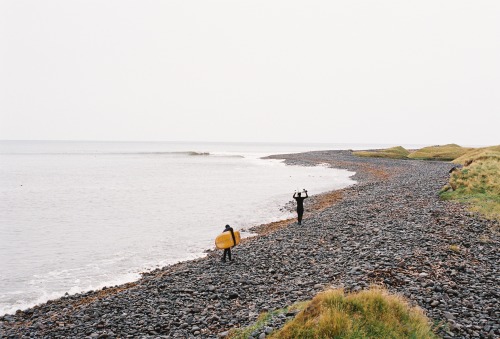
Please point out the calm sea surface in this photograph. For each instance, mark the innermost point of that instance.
(76, 216)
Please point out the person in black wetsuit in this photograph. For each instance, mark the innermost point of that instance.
(227, 251)
(300, 205)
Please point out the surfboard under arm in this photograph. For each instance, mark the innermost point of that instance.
(226, 240)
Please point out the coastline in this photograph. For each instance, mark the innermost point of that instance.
(390, 228)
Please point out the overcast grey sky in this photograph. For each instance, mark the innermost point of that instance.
(397, 72)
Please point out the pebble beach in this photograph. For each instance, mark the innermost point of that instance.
(390, 229)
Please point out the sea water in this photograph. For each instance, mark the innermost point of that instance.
(77, 216)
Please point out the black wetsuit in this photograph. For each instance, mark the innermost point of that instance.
(300, 207)
(227, 251)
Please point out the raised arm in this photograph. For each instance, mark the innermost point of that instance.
(306, 195)
(294, 195)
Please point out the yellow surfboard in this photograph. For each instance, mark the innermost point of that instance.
(225, 240)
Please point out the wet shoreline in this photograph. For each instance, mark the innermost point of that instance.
(389, 229)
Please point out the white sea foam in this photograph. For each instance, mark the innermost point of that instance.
(26, 301)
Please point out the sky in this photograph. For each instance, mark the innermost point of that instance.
(396, 72)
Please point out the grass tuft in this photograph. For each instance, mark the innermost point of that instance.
(397, 152)
(484, 239)
(371, 313)
(454, 248)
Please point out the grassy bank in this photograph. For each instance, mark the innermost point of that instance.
(393, 153)
(476, 183)
(444, 152)
(367, 314)
(441, 152)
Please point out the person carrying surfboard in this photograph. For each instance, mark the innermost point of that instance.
(227, 251)
(300, 204)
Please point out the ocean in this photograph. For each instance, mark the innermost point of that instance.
(78, 216)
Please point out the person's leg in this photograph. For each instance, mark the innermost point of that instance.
(300, 213)
(229, 254)
(225, 253)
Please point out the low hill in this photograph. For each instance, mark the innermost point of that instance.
(397, 152)
(441, 152)
(492, 152)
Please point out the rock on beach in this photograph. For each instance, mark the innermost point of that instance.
(389, 229)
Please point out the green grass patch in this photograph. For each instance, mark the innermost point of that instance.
(243, 333)
(397, 152)
(444, 152)
(262, 321)
(485, 204)
(371, 313)
(478, 182)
